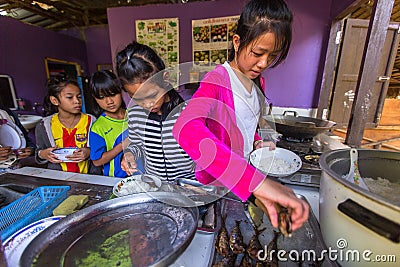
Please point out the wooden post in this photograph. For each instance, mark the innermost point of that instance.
(368, 74)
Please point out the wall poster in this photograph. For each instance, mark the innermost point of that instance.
(211, 39)
(162, 35)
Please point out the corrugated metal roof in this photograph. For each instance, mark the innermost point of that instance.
(64, 14)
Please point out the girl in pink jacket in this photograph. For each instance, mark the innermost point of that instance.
(218, 126)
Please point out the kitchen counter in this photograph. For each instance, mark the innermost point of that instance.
(201, 249)
(99, 188)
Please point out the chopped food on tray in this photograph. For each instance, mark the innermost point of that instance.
(114, 251)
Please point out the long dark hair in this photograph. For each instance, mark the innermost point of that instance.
(137, 63)
(263, 16)
(104, 83)
(54, 88)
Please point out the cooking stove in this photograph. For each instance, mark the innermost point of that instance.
(307, 150)
(306, 181)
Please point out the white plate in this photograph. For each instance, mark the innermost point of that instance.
(61, 153)
(137, 184)
(16, 244)
(11, 135)
(278, 163)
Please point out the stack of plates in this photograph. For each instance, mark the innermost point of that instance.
(11, 135)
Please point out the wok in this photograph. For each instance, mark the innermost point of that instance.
(298, 127)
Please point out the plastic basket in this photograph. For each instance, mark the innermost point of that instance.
(35, 205)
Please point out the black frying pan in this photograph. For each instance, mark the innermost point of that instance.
(298, 127)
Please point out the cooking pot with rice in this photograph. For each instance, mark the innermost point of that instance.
(363, 226)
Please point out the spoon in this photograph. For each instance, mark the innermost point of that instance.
(354, 175)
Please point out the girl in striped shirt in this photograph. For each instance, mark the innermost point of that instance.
(151, 119)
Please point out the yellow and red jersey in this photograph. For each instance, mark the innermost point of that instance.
(72, 137)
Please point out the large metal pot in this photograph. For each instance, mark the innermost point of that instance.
(298, 127)
(354, 221)
(146, 229)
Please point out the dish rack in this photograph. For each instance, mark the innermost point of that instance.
(35, 205)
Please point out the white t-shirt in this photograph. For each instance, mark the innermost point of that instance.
(247, 109)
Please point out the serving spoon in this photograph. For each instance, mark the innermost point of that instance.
(354, 175)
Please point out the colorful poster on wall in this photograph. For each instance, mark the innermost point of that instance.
(211, 39)
(162, 35)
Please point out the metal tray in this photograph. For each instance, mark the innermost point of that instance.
(193, 183)
(139, 228)
(206, 196)
(308, 238)
(217, 221)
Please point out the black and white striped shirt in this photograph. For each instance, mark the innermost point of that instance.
(151, 136)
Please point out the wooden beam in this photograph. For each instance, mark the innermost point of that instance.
(375, 40)
(329, 71)
(47, 14)
(353, 7)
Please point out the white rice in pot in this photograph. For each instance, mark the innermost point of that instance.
(384, 188)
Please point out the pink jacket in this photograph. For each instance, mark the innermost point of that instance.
(208, 132)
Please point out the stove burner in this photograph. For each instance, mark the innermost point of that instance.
(312, 159)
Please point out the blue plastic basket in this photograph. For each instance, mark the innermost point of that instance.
(35, 205)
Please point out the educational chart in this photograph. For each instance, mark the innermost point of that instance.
(211, 39)
(162, 35)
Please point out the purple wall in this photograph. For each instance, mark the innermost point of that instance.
(296, 83)
(23, 49)
(98, 47)
(97, 40)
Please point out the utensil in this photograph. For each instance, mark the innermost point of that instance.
(354, 175)
(62, 153)
(140, 183)
(298, 127)
(11, 135)
(15, 244)
(206, 193)
(279, 162)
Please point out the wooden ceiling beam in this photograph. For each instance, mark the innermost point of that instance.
(57, 25)
(44, 13)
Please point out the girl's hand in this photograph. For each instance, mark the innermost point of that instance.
(5, 152)
(24, 152)
(270, 192)
(48, 155)
(259, 144)
(79, 155)
(128, 164)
